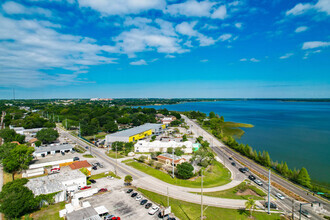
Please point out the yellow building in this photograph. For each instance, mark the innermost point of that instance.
(136, 133)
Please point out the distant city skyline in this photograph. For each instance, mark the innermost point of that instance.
(164, 49)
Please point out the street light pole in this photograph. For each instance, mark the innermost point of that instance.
(116, 160)
(202, 194)
(173, 163)
(269, 191)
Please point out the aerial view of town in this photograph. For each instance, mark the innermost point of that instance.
(164, 109)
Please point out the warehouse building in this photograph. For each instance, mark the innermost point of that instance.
(136, 133)
(145, 146)
(52, 149)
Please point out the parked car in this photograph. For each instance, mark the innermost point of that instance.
(76, 158)
(230, 158)
(171, 218)
(160, 215)
(108, 217)
(251, 177)
(62, 153)
(148, 205)
(55, 170)
(129, 191)
(92, 181)
(272, 205)
(103, 190)
(99, 165)
(134, 194)
(153, 210)
(85, 187)
(127, 184)
(233, 163)
(258, 182)
(280, 196)
(305, 213)
(144, 201)
(115, 218)
(138, 198)
(94, 167)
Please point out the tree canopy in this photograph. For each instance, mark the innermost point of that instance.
(303, 177)
(47, 135)
(10, 135)
(185, 170)
(128, 179)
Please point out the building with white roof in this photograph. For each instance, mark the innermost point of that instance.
(155, 146)
(52, 149)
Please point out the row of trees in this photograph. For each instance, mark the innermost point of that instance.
(9, 135)
(123, 147)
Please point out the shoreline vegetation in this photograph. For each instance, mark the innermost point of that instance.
(214, 125)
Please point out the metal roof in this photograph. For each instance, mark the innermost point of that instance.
(88, 213)
(136, 130)
(43, 149)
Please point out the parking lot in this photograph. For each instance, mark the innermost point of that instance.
(120, 203)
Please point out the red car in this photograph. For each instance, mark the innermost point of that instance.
(103, 190)
(85, 187)
(115, 218)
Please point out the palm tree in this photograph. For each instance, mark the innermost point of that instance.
(251, 205)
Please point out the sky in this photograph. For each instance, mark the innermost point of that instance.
(164, 49)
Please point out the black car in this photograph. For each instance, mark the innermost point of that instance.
(230, 158)
(94, 167)
(148, 205)
(160, 215)
(127, 184)
(251, 177)
(134, 194)
(92, 181)
(99, 165)
(244, 170)
(62, 153)
(129, 191)
(171, 219)
(76, 158)
(272, 205)
(233, 163)
(143, 202)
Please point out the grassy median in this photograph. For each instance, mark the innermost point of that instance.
(217, 175)
(191, 211)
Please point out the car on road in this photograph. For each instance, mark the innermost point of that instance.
(129, 191)
(144, 201)
(85, 187)
(233, 163)
(133, 195)
(103, 190)
(138, 198)
(280, 196)
(148, 205)
(153, 210)
(243, 169)
(305, 213)
(258, 182)
(272, 205)
(76, 159)
(251, 177)
(92, 180)
(230, 158)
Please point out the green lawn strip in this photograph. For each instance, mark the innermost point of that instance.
(79, 149)
(100, 135)
(88, 156)
(216, 176)
(102, 175)
(112, 154)
(50, 212)
(191, 211)
(231, 193)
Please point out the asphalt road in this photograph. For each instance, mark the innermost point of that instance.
(225, 152)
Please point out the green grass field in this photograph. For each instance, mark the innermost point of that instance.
(102, 175)
(88, 156)
(231, 193)
(50, 212)
(112, 154)
(231, 128)
(190, 211)
(218, 175)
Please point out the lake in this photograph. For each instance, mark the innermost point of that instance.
(295, 132)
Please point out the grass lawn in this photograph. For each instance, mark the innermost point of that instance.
(79, 149)
(49, 212)
(112, 154)
(231, 193)
(7, 177)
(231, 128)
(102, 175)
(191, 211)
(100, 135)
(88, 156)
(218, 175)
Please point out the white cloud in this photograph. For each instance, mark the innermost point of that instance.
(121, 7)
(238, 25)
(314, 44)
(191, 8)
(308, 53)
(138, 63)
(286, 56)
(29, 47)
(301, 29)
(220, 13)
(321, 6)
(204, 61)
(243, 59)
(210, 27)
(169, 56)
(15, 8)
(137, 21)
(225, 37)
(254, 60)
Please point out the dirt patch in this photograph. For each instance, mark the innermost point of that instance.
(247, 192)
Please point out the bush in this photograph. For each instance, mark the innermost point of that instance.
(158, 165)
(185, 170)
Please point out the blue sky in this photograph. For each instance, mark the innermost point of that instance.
(159, 48)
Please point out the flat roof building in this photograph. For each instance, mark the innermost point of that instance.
(52, 149)
(136, 133)
(155, 146)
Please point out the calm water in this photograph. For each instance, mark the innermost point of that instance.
(295, 132)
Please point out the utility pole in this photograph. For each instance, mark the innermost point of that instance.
(292, 209)
(269, 191)
(66, 124)
(116, 160)
(202, 215)
(168, 200)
